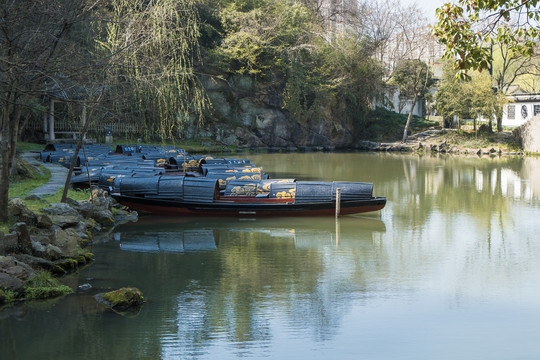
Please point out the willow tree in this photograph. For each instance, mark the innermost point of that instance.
(153, 46)
(37, 48)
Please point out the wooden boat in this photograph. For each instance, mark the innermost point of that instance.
(179, 195)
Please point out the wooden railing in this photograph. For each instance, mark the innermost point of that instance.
(64, 126)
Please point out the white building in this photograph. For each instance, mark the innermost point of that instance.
(401, 106)
(522, 108)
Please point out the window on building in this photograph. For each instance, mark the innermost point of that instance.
(536, 110)
(524, 112)
(511, 112)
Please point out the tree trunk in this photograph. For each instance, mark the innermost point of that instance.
(4, 183)
(76, 153)
(499, 123)
(409, 118)
(10, 127)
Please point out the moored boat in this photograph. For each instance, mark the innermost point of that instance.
(179, 195)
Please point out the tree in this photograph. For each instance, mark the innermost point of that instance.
(450, 99)
(152, 49)
(470, 27)
(486, 102)
(414, 79)
(468, 99)
(36, 49)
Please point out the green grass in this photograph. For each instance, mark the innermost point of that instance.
(470, 139)
(37, 205)
(44, 286)
(42, 279)
(40, 293)
(384, 125)
(21, 188)
(27, 146)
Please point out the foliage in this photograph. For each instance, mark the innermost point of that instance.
(7, 296)
(467, 27)
(153, 51)
(329, 75)
(257, 35)
(37, 51)
(413, 77)
(472, 99)
(509, 70)
(279, 42)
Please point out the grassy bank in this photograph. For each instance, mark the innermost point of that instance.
(469, 139)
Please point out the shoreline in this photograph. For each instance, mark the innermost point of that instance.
(431, 140)
(43, 247)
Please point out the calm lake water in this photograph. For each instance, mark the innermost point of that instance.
(450, 269)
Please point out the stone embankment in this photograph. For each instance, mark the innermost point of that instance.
(432, 141)
(53, 241)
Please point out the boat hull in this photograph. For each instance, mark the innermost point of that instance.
(281, 208)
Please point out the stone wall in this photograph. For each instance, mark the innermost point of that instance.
(530, 135)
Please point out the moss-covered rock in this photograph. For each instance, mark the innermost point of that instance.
(69, 265)
(81, 260)
(122, 299)
(88, 256)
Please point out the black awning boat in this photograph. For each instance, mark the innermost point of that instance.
(179, 195)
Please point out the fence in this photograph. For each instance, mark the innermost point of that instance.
(94, 129)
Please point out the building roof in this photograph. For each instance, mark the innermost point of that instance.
(524, 97)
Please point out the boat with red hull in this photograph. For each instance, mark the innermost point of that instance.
(249, 207)
(179, 195)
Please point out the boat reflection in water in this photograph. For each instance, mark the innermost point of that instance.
(172, 241)
(193, 234)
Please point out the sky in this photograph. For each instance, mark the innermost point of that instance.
(429, 6)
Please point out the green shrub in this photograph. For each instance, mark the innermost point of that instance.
(42, 279)
(7, 296)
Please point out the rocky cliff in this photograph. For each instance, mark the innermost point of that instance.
(251, 114)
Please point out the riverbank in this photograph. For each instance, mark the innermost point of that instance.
(452, 141)
(42, 246)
